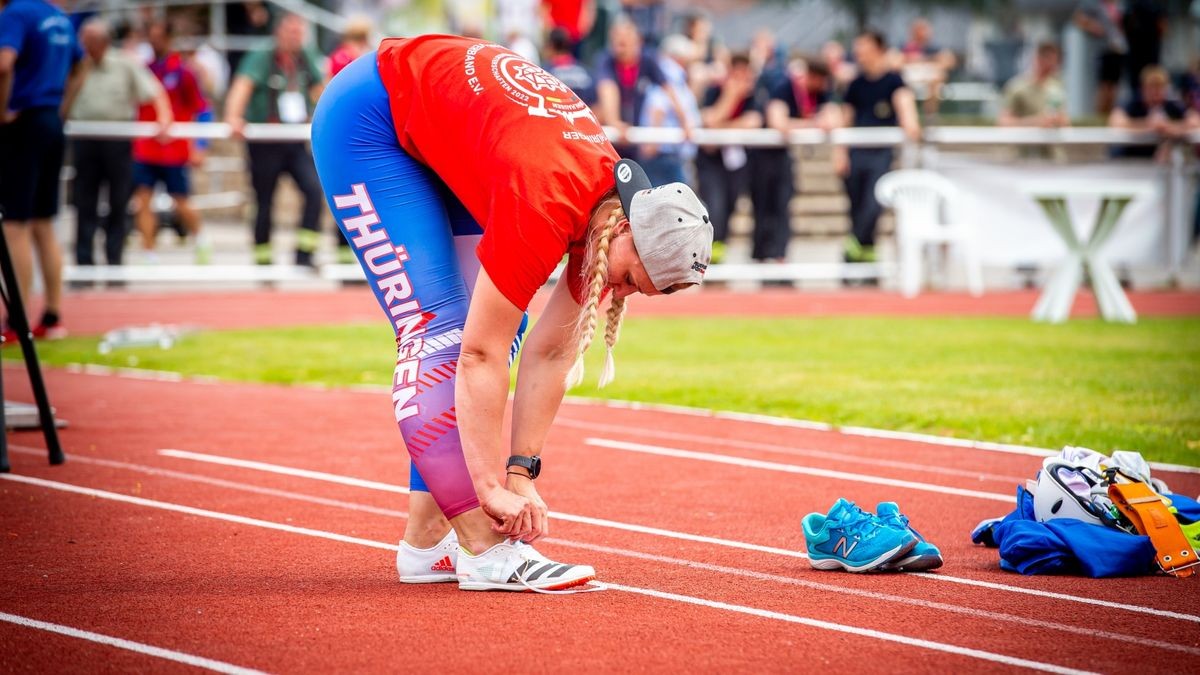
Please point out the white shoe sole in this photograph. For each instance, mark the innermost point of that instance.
(560, 585)
(428, 579)
(835, 564)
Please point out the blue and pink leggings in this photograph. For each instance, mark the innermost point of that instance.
(416, 243)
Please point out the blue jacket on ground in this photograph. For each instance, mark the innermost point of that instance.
(1065, 546)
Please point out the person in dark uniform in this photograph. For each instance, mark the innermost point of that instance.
(721, 170)
(876, 98)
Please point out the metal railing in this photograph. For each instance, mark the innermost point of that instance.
(932, 138)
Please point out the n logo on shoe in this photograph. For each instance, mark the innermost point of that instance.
(846, 550)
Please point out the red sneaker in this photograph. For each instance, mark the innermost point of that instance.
(53, 332)
(8, 337)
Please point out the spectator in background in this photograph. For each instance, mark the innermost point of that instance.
(1144, 23)
(926, 63)
(280, 84)
(167, 162)
(560, 63)
(878, 97)
(665, 163)
(115, 86)
(623, 76)
(1037, 99)
(712, 58)
(356, 41)
(39, 73)
(842, 71)
(1101, 19)
(245, 19)
(721, 170)
(814, 86)
(650, 17)
(1155, 111)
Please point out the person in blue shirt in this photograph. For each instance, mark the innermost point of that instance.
(39, 73)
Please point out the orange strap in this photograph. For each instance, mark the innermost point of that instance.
(1150, 516)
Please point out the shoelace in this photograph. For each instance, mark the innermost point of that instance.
(856, 523)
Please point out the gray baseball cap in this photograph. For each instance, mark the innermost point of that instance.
(671, 229)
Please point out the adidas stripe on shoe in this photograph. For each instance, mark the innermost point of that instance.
(428, 565)
(514, 566)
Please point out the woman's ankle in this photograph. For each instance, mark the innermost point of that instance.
(475, 533)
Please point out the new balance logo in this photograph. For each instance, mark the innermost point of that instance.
(846, 550)
(443, 565)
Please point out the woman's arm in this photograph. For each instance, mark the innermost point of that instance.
(481, 391)
(541, 379)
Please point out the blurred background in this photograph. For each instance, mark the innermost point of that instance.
(1055, 68)
(950, 170)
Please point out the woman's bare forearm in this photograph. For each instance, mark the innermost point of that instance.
(482, 389)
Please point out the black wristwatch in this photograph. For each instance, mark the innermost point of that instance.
(531, 464)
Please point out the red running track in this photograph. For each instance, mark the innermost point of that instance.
(249, 566)
(96, 312)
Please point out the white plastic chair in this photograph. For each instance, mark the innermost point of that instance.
(919, 199)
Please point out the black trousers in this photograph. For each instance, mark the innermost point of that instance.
(867, 166)
(269, 161)
(719, 190)
(771, 190)
(101, 163)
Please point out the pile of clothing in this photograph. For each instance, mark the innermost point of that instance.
(1087, 513)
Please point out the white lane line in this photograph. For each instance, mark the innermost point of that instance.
(192, 511)
(129, 645)
(207, 480)
(332, 536)
(747, 462)
(772, 420)
(638, 555)
(387, 487)
(755, 418)
(285, 470)
(853, 630)
(684, 536)
(784, 450)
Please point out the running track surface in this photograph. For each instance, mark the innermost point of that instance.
(96, 312)
(156, 531)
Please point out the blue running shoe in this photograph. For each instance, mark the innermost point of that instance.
(851, 539)
(924, 556)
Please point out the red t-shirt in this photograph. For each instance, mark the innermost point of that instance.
(521, 151)
(187, 101)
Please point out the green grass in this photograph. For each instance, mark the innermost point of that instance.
(1086, 383)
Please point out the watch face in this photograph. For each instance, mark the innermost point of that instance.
(535, 466)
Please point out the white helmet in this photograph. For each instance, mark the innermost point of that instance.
(1064, 490)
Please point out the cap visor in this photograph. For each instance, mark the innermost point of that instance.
(631, 179)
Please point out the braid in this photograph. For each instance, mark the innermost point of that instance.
(612, 331)
(596, 276)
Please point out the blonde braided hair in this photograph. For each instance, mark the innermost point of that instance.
(595, 275)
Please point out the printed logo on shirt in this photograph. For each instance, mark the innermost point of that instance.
(524, 83)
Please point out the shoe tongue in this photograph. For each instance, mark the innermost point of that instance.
(888, 510)
(842, 510)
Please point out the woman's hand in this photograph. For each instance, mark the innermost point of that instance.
(541, 516)
(511, 513)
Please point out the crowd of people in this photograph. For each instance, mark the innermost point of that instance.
(638, 68)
